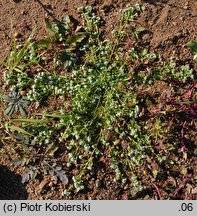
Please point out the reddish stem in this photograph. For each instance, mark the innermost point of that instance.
(158, 191)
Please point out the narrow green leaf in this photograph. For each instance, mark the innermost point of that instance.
(22, 111)
(20, 130)
(53, 115)
(6, 126)
(51, 149)
(140, 29)
(22, 53)
(37, 121)
(17, 70)
(14, 50)
(9, 110)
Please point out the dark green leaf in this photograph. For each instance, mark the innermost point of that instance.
(22, 111)
(6, 98)
(49, 26)
(9, 110)
(16, 107)
(76, 38)
(192, 45)
(44, 43)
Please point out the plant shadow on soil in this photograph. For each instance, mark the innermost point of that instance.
(11, 186)
(47, 10)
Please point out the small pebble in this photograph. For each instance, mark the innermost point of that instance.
(185, 32)
(174, 23)
(126, 187)
(98, 183)
(24, 12)
(186, 6)
(194, 190)
(17, 35)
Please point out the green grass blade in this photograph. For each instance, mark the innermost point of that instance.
(35, 121)
(20, 130)
(53, 115)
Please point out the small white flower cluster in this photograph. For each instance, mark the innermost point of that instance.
(18, 81)
(185, 72)
(66, 193)
(43, 137)
(92, 20)
(119, 176)
(87, 9)
(72, 157)
(45, 85)
(57, 30)
(78, 183)
(130, 13)
(7, 77)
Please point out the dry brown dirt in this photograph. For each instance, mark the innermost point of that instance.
(170, 24)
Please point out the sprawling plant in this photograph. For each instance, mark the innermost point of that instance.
(102, 117)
